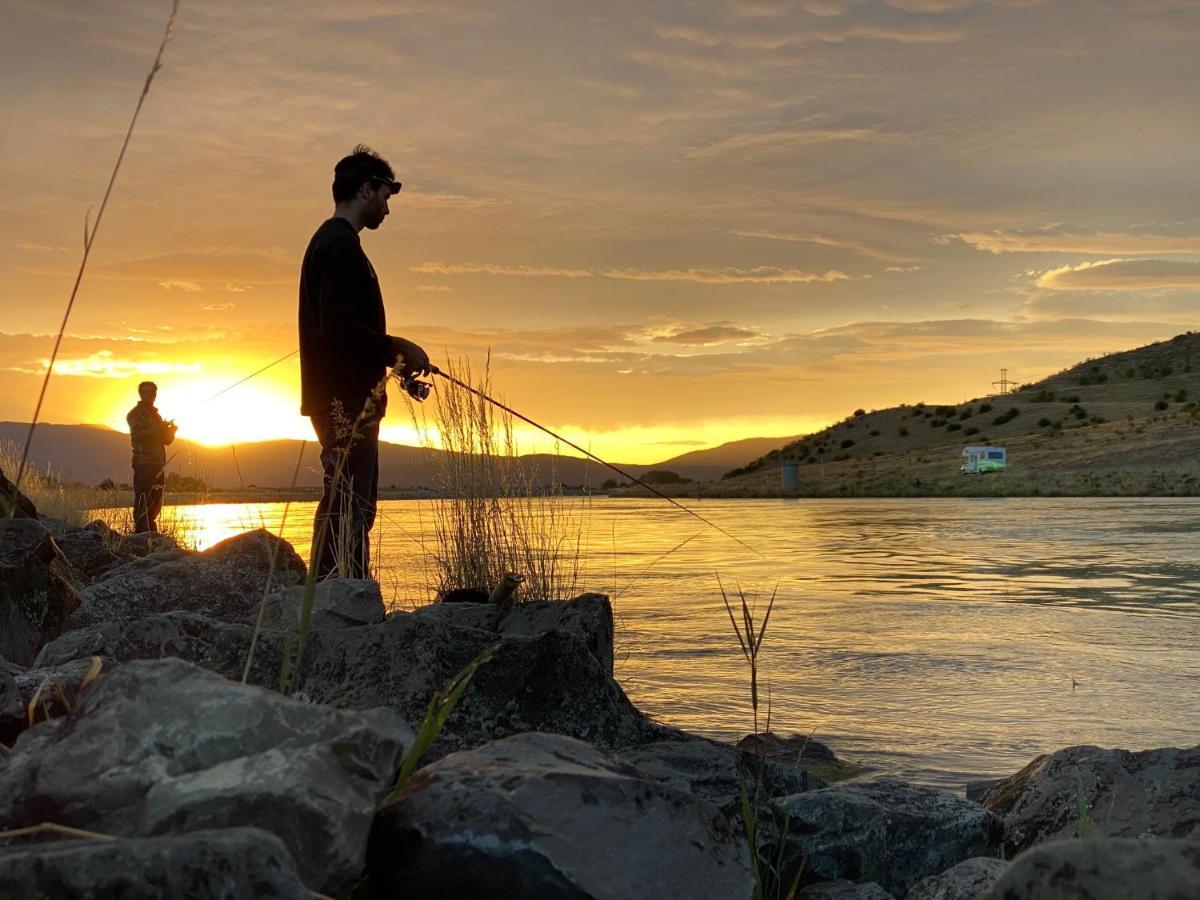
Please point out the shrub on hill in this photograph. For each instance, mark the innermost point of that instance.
(1001, 419)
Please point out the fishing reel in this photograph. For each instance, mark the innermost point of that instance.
(415, 387)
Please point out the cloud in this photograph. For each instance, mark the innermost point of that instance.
(776, 38)
(708, 336)
(1123, 275)
(930, 6)
(189, 287)
(433, 288)
(783, 141)
(216, 307)
(874, 251)
(39, 248)
(441, 268)
(903, 269)
(728, 275)
(1061, 239)
(219, 265)
(104, 364)
(756, 275)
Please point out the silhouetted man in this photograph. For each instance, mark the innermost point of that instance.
(345, 354)
(149, 435)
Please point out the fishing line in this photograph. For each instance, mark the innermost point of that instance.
(592, 456)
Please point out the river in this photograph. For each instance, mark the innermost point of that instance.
(938, 640)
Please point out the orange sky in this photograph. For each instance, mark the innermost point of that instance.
(672, 224)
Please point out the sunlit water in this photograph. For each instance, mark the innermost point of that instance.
(936, 640)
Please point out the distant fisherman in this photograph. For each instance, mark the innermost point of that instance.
(149, 435)
(345, 352)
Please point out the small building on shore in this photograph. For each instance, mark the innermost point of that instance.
(980, 460)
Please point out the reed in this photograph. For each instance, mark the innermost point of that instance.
(492, 516)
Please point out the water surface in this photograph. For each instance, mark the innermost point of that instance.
(935, 640)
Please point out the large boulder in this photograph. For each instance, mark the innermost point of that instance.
(801, 751)
(234, 862)
(87, 551)
(56, 689)
(1151, 792)
(164, 747)
(844, 890)
(1097, 868)
(226, 581)
(886, 831)
(37, 591)
(714, 771)
(337, 603)
(588, 617)
(546, 682)
(548, 817)
(965, 881)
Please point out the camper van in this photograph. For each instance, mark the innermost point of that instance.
(979, 460)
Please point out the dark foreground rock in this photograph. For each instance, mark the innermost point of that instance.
(547, 817)
(1149, 793)
(37, 590)
(55, 688)
(337, 603)
(13, 502)
(224, 582)
(844, 890)
(163, 747)
(235, 862)
(87, 551)
(888, 832)
(1101, 868)
(965, 881)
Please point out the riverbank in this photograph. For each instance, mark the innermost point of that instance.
(125, 642)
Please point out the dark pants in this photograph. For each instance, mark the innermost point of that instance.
(346, 513)
(147, 497)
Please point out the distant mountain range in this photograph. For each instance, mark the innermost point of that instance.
(91, 454)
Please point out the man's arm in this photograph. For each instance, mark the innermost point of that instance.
(341, 285)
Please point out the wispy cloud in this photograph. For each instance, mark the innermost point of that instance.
(865, 248)
(216, 307)
(708, 336)
(1060, 239)
(188, 287)
(441, 268)
(756, 275)
(104, 364)
(1122, 275)
(433, 288)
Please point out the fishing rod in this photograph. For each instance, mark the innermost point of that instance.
(419, 390)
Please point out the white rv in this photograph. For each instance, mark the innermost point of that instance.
(979, 460)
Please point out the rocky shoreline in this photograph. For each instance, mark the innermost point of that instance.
(127, 656)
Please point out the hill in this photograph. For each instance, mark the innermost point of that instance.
(91, 454)
(1124, 424)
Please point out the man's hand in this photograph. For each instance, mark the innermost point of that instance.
(410, 359)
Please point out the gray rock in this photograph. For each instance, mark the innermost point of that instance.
(547, 817)
(234, 862)
(145, 543)
(965, 881)
(13, 502)
(884, 831)
(56, 687)
(36, 592)
(844, 890)
(79, 643)
(224, 582)
(1103, 869)
(1152, 792)
(976, 790)
(548, 682)
(337, 603)
(164, 747)
(87, 551)
(711, 770)
(587, 617)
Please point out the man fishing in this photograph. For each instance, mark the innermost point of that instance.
(345, 354)
(149, 435)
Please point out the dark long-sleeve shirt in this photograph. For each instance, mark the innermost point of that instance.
(149, 435)
(344, 346)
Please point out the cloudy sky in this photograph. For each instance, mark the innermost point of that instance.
(673, 223)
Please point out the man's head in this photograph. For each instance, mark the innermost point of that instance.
(364, 181)
(148, 391)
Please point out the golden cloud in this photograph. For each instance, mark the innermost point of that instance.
(1059, 240)
(1122, 275)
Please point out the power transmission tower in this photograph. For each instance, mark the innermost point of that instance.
(1004, 384)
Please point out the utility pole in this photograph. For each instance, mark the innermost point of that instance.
(1004, 384)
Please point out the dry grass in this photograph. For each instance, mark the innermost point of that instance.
(491, 517)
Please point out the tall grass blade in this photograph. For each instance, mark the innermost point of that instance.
(90, 237)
